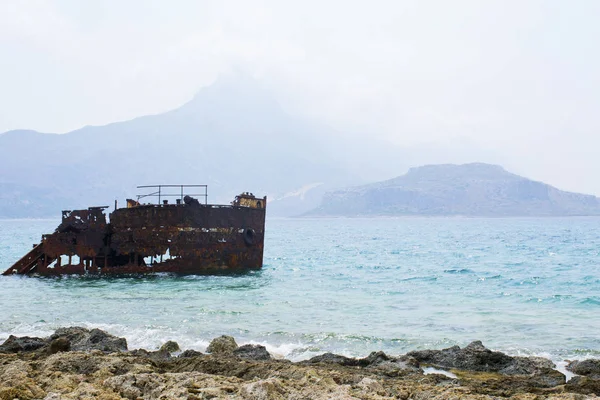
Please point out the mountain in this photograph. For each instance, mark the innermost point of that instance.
(233, 136)
(475, 189)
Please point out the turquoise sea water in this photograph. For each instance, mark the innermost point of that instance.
(350, 286)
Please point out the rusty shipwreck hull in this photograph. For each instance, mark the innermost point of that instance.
(184, 238)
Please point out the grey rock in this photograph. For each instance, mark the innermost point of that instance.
(476, 357)
(73, 334)
(140, 352)
(222, 345)
(82, 339)
(527, 365)
(377, 360)
(190, 354)
(16, 344)
(252, 352)
(590, 367)
(330, 358)
(159, 355)
(170, 347)
(59, 344)
(583, 385)
(547, 378)
(397, 366)
(373, 359)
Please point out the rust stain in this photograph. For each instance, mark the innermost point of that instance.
(187, 237)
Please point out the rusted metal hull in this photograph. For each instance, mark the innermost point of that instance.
(174, 238)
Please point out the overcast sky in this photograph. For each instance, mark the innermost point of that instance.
(516, 79)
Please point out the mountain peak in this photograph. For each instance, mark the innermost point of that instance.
(234, 93)
(467, 168)
(476, 170)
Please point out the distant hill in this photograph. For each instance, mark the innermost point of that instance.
(470, 189)
(233, 136)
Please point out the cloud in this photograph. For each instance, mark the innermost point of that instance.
(516, 77)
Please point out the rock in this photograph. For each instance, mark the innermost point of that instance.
(159, 355)
(266, 389)
(106, 342)
(330, 358)
(476, 357)
(590, 367)
(584, 385)
(82, 339)
(252, 352)
(397, 366)
(170, 347)
(58, 345)
(222, 345)
(172, 386)
(368, 385)
(527, 365)
(72, 363)
(140, 353)
(74, 334)
(190, 354)
(508, 385)
(376, 357)
(16, 344)
(391, 366)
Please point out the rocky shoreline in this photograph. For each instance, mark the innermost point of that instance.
(77, 363)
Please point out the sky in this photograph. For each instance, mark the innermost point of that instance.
(512, 82)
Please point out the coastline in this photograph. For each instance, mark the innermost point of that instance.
(79, 363)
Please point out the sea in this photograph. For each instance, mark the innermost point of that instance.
(524, 286)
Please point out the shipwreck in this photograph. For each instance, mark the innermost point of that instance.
(187, 236)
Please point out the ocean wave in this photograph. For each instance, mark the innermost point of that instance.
(459, 271)
(590, 301)
(420, 278)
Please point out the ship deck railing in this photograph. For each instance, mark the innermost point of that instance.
(170, 191)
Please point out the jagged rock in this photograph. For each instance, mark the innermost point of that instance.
(222, 345)
(271, 388)
(589, 367)
(16, 344)
(190, 354)
(369, 385)
(170, 347)
(82, 339)
(497, 383)
(73, 363)
(73, 334)
(476, 357)
(155, 375)
(140, 352)
(397, 366)
(252, 352)
(583, 385)
(376, 357)
(59, 344)
(159, 355)
(330, 358)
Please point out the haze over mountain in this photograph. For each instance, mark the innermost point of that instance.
(232, 135)
(471, 190)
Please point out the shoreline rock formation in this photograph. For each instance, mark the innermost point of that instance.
(77, 363)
